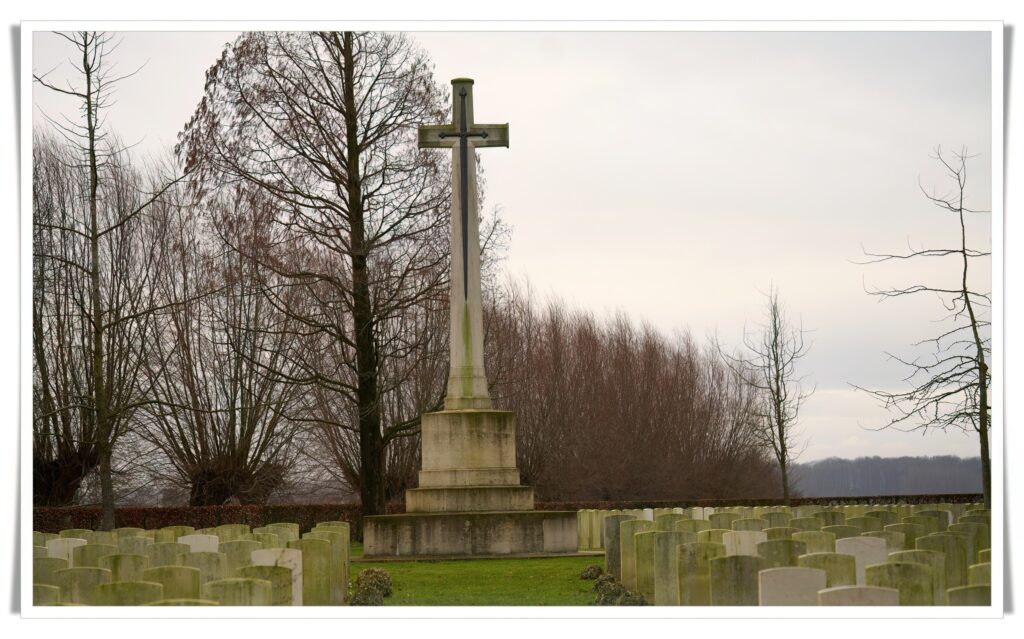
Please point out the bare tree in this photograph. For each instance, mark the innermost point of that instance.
(217, 415)
(950, 385)
(769, 366)
(324, 123)
(114, 260)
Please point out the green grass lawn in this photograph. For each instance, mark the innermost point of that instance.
(487, 582)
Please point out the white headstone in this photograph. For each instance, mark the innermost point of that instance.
(865, 550)
(287, 557)
(790, 586)
(64, 548)
(200, 543)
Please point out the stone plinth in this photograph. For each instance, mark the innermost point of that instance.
(468, 448)
(470, 533)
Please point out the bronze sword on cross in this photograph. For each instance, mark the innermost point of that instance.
(449, 135)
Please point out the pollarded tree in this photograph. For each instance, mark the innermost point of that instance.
(324, 123)
(770, 368)
(217, 414)
(950, 386)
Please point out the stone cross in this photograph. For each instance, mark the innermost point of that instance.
(467, 381)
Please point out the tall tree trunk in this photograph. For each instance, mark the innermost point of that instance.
(104, 432)
(371, 449)
(982, 365)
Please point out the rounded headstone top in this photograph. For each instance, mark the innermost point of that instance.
(462, 80)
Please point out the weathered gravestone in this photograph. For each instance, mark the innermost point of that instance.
(780, 552)
(840, 570)
(165, 553)
(339, 561)
(45, 595)
(179, 582)
(89, 554)
(694, 566)
(806, 523)
(666, 565)
(280, 579)
(777, 519)
(783, 532)
(129, 593)
(954, 548)
(935, 561)
(722, 520)
(133, 545)
(612, 553)
(912, 580)
(979, 574)
(894, 541)
(627, 549)
(78, 585)
(124, 567)
(750, 524)
(211, 565)
(788, 586)
(44, 569)
(842, 531)
(316, 570)
(816, 541)
(734, 580)
(980, 595)
(239, 592)
(743, 542)
(238, 553)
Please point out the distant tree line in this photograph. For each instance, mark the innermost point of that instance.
(869, 476)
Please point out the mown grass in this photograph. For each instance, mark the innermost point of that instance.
(487, 582)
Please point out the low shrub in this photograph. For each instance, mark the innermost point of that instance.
(376, 579)
(593, 571)
(367, 597)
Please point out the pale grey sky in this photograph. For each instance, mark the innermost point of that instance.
(675, 175)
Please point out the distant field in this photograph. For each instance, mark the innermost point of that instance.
(486, 582)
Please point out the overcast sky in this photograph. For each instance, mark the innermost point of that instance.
(675, 176)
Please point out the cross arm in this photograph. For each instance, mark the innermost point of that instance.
(430, 136)
(497, 135)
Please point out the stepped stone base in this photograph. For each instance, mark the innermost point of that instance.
(460, 499)
(469, 534)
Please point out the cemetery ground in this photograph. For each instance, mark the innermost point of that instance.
(545, 581)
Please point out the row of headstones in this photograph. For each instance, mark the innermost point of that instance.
(590, 523)
(179, 565)
(675, 560)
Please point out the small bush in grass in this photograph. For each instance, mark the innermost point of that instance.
(593, 571)
(612, 593)
(376, 579)
(602, 583)
(367, 597)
